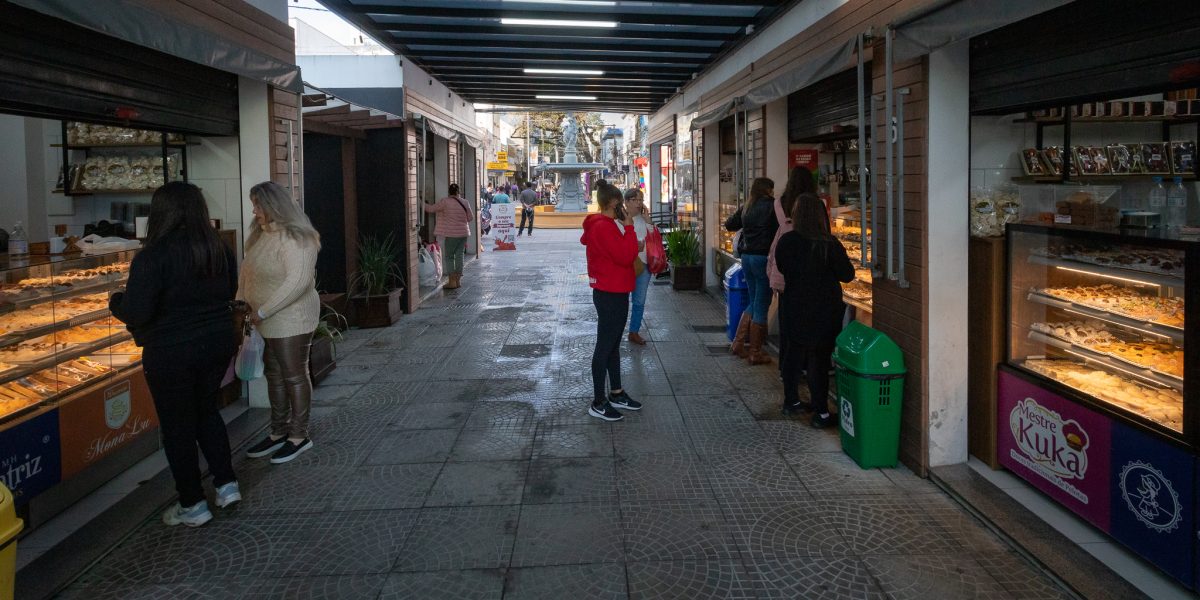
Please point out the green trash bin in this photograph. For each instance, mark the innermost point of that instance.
(870, 388)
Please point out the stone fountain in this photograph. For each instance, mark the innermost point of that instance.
(571, 197)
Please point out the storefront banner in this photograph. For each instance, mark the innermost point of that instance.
(803, 157)
(100, 423)
(1057, 445)
(30, 458)
(504, 226)
(1153, 492)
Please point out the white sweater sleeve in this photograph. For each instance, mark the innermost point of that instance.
(301, 267)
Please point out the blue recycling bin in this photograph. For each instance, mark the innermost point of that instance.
(736, 298)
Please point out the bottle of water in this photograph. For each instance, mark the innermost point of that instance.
(1176, 205)
(18, 242)
(1158, 198)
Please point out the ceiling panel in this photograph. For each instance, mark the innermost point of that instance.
(646, 50)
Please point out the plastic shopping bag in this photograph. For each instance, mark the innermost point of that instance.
(435, 251)
(656, 254)
(250, 356)
(426, 269)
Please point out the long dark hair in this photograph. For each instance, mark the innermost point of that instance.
(178, 211)
(800, 181)
(607, 194)
(760, 188)
(809, 218)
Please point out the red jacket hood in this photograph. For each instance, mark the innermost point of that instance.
(589, 224)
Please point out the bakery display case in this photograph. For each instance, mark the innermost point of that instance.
(1100, 318)
(57, 336)
(857, 293)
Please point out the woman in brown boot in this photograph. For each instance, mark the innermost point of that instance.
(756, 220)
(453, 228)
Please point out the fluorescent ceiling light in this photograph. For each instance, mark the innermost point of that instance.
(555, 97)
(575, 2)
(564, 71)
(557, 23)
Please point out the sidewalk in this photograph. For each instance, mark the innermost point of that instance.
(454, 459)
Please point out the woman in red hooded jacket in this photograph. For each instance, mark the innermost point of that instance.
(612, 247)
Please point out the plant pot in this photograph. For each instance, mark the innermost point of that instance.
(689, 278)
(338, 303)
(377, 311)
(321, 361)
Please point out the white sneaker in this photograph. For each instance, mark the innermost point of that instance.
(192, 516)
(228, 494)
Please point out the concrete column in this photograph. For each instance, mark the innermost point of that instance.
(712, 192)
(777, 143)
(946, 253)
(254, 124)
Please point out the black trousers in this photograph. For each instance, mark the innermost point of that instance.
(611, 311)
(815, 360)
(185, 380)
(526, 213)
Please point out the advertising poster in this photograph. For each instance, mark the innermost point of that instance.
(504, 225)
(803, 157)
(1057, 446)
(98, 424)
(1152, 492)
(30, 462)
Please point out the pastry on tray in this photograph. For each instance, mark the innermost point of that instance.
(1162, 357)
(1124, 301)
(1164, 405)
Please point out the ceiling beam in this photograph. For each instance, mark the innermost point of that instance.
(398, 30)
(677, 16)
(549, 43)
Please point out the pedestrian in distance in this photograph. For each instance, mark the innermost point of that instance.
(800, 181)
(529, 199)
(813, 264)
(499, 197)
(635, 207)
(453, 229)
(612, 248)
(178, 306)
(279, 288)
(757, 223)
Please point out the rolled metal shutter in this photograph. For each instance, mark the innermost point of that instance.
(818, 109)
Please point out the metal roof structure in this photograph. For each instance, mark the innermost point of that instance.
(620, 56)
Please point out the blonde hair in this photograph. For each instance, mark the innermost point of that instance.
(274, 201)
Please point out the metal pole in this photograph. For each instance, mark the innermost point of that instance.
(862, 156)
(876, 271)
(901, 93)
(528, 153)
(888, 118)
(291, 167)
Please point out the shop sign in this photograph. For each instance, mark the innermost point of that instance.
(1056, 445)
(502, 157)
(30, 457)
(803, 157)
(503, 224)
(533, 155)
(497, 166)
(100, 423)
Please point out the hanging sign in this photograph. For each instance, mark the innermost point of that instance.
(497, 166)
(502, 157)
(503, 221)
(803, 157)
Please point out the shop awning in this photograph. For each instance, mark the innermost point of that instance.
(715, 115)
(440, 129)
(132, 22)
(319, 106)
(827, 63)
(926, 30)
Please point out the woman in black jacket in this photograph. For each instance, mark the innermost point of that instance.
(177, 305)
(813, 262)
(757, 222)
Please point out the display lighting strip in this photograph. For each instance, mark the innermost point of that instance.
(1093, 273)
(556, 97)
(557, 23)
(562, 72)
(1121, 324)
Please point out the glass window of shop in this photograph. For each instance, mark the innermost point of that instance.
(666, 177)
(686, 208)
(743, 157)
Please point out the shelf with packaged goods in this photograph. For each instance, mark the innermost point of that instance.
(1120, 273)
(129, 192)
(1112, 178)
(173, 144)
(1149, 327)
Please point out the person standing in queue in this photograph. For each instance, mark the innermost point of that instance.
(529, 199)
(612, 247)
(756, 220)
(637, 209)
(278, 285)
(813, 263)
(178, 306)
(800, 181)
(453, 229)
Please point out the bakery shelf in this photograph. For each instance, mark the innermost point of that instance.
(1159, 329)
(147, 145)
(25, 334)
(1171, 281)
(1107, 119)
(1111, 363)
(75, 292)
(1114, 178)
(864, 305)
(103, 192)
(70, 353)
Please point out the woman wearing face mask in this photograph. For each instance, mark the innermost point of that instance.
(612, 247)
(637, 210)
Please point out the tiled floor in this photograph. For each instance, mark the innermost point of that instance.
(454, 459)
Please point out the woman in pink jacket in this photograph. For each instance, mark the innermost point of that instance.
(453, 228)
(800, 181)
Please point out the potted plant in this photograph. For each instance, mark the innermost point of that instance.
(683, 252)
(322, 357)
(378, 283)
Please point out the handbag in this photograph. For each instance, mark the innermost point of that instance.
(249, 364)
(639, 267)
(656, 253)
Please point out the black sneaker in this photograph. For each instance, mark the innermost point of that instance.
(798, 408)
(624, 402)
(266, 447)
(824, 420)
(605, 412)
(291, 450)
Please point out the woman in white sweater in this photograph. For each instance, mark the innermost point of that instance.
(277, 281)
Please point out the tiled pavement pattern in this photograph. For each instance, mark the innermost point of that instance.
(454, 459)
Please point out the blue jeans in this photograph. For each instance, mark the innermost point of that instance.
(638, 300)
(758, 286)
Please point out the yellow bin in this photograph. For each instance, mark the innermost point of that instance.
(10, 527)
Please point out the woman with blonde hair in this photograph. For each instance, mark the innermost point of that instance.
(278, 284)
(636, 208)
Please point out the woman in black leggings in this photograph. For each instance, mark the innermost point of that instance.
(612, 246)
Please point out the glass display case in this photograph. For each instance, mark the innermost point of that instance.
(56, 333)
(1100, 318)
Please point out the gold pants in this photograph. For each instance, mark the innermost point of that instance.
(288, 386)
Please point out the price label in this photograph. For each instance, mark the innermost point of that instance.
(1065, 219)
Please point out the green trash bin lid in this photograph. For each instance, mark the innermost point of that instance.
(868, 351)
